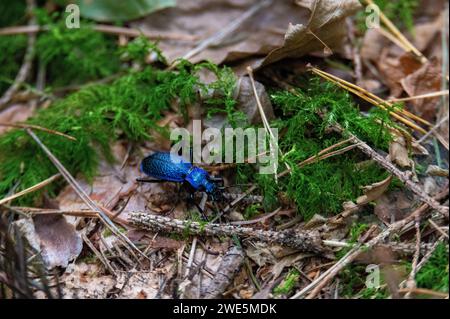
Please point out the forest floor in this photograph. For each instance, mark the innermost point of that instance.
(357, 92)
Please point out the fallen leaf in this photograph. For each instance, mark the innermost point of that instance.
(435, 170)
(394, 65)
(54, 238)
(425, 80)
(261, 34)
(393, 206)
(85, 281)
(326, 22)
(398, 151)
(14, 114)
(374, 191)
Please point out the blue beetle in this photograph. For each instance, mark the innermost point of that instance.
(165, 166)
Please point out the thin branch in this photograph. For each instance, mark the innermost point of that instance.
(422, 96)
(82, 194)
(394, 30)
(104, 28)
(30, 189)
(402, 176)
(38, 128)
(317, 285)
(302, 240)
(27, 60)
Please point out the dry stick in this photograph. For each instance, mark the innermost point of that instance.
(38, 128)
(130, 32)
(230, 264)
(27, 60)
(391, 37)
(81, 193)
(422, 96)
(191, 256)
(374, 99)
(412, 274)
(43, 211)
(302, 240)
(429, 253)
(391, 27)
(434, 131)
(403, 248)
(30, 189)
(369, 96)
(423, 291)
(223, 33)
(435, 226)
(326, 276)
(273, 141)
(402, 176)
(102, 258)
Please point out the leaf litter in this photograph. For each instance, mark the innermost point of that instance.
(183, 264)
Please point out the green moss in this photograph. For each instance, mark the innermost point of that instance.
(12, 50)
(288, 283)
(434, 274)
(401, 12)
(223, 100)
(323, 186)
(12, 13)
(73, 56)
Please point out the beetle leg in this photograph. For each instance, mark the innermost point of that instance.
(177, 200)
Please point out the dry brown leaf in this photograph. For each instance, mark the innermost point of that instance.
(373, 44)
(374, 191)
(13, 114)
(393, 206)
(326, 22)
(55, 239)
(398, 151)
(264, 33)
(394, 65)
(258, 35)
(425, 33)
(427, 79)
(435, 170)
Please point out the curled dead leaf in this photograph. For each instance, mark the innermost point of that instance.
(398, 151)
(374, 191)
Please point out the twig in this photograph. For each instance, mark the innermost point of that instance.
(229, 266)
(412, 275)
(82, 194)
(27, 60)
(273, 141)
(129, 32)
(224, 32)
(38, 128)
(428, 255)
(100, 256)
(302, 240)
(402, 176)
(191, 256)
(30, 189)
(422, 96)
(423, 291)
(393, 29)
(433, 224)
(376, 101)
(353, 253)
(433, 130)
